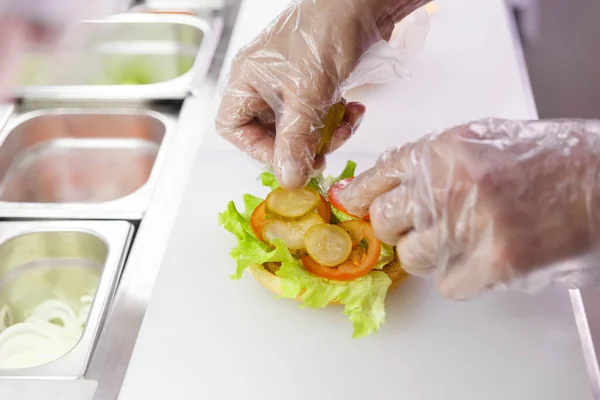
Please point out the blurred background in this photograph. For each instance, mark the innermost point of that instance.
(560, 42)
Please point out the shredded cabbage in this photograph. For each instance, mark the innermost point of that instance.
(363, 298)
(49, 333)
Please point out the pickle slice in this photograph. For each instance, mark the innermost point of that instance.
(355, 230)
(333, 119)
(292, 203)
(329, 245)
(291, 232)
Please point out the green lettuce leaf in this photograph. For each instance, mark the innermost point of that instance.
(322, 183)
(268, 179)
(340, 216)
(348, 172)
(386, 256)
(250, 203)
(363, 298)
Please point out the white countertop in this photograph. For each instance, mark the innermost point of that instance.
(207, 337)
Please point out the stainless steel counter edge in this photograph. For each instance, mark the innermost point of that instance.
(117, 340)
(116, 343)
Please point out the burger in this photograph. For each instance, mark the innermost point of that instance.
(302, 244)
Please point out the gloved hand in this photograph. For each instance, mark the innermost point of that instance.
(283, 83)
(490, 204)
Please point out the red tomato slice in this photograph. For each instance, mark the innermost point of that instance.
(359, 263)
(334, 193)
(258, 219)
(324, 210)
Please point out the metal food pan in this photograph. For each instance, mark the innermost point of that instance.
(81, 163)
(124, 57)
(47, 268)
(169, 9)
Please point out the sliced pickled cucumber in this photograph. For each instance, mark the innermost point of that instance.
(291, 232)
(292, 203)
(329, 245)
(331, 122)
(357, 256)
(354, 229)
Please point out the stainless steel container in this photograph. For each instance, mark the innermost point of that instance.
(81, 162)
(124, 57)
(63, 261)
(94, 139)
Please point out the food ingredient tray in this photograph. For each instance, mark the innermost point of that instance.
(57, 279)
(127, 56)
(81, 162)
(106, 133)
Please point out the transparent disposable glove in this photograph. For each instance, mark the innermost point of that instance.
(284, 82)
(490, 204)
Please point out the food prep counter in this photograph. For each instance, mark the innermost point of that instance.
(93, 196)
(206, 336)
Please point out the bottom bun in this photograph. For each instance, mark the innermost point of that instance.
(265, 275)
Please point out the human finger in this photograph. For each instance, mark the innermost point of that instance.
(240, 121)
(386, 175)
(295, 146)
(392, 214)
(418, 251)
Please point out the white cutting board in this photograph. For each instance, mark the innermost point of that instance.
(208, 337)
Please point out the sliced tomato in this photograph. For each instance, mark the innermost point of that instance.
(360, 262)
(334, 193)
(324, 210)
(258, 220)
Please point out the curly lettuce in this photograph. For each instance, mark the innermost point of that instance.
(363, 298)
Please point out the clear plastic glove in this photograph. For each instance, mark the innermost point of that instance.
(490, 204)
(286, 80)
